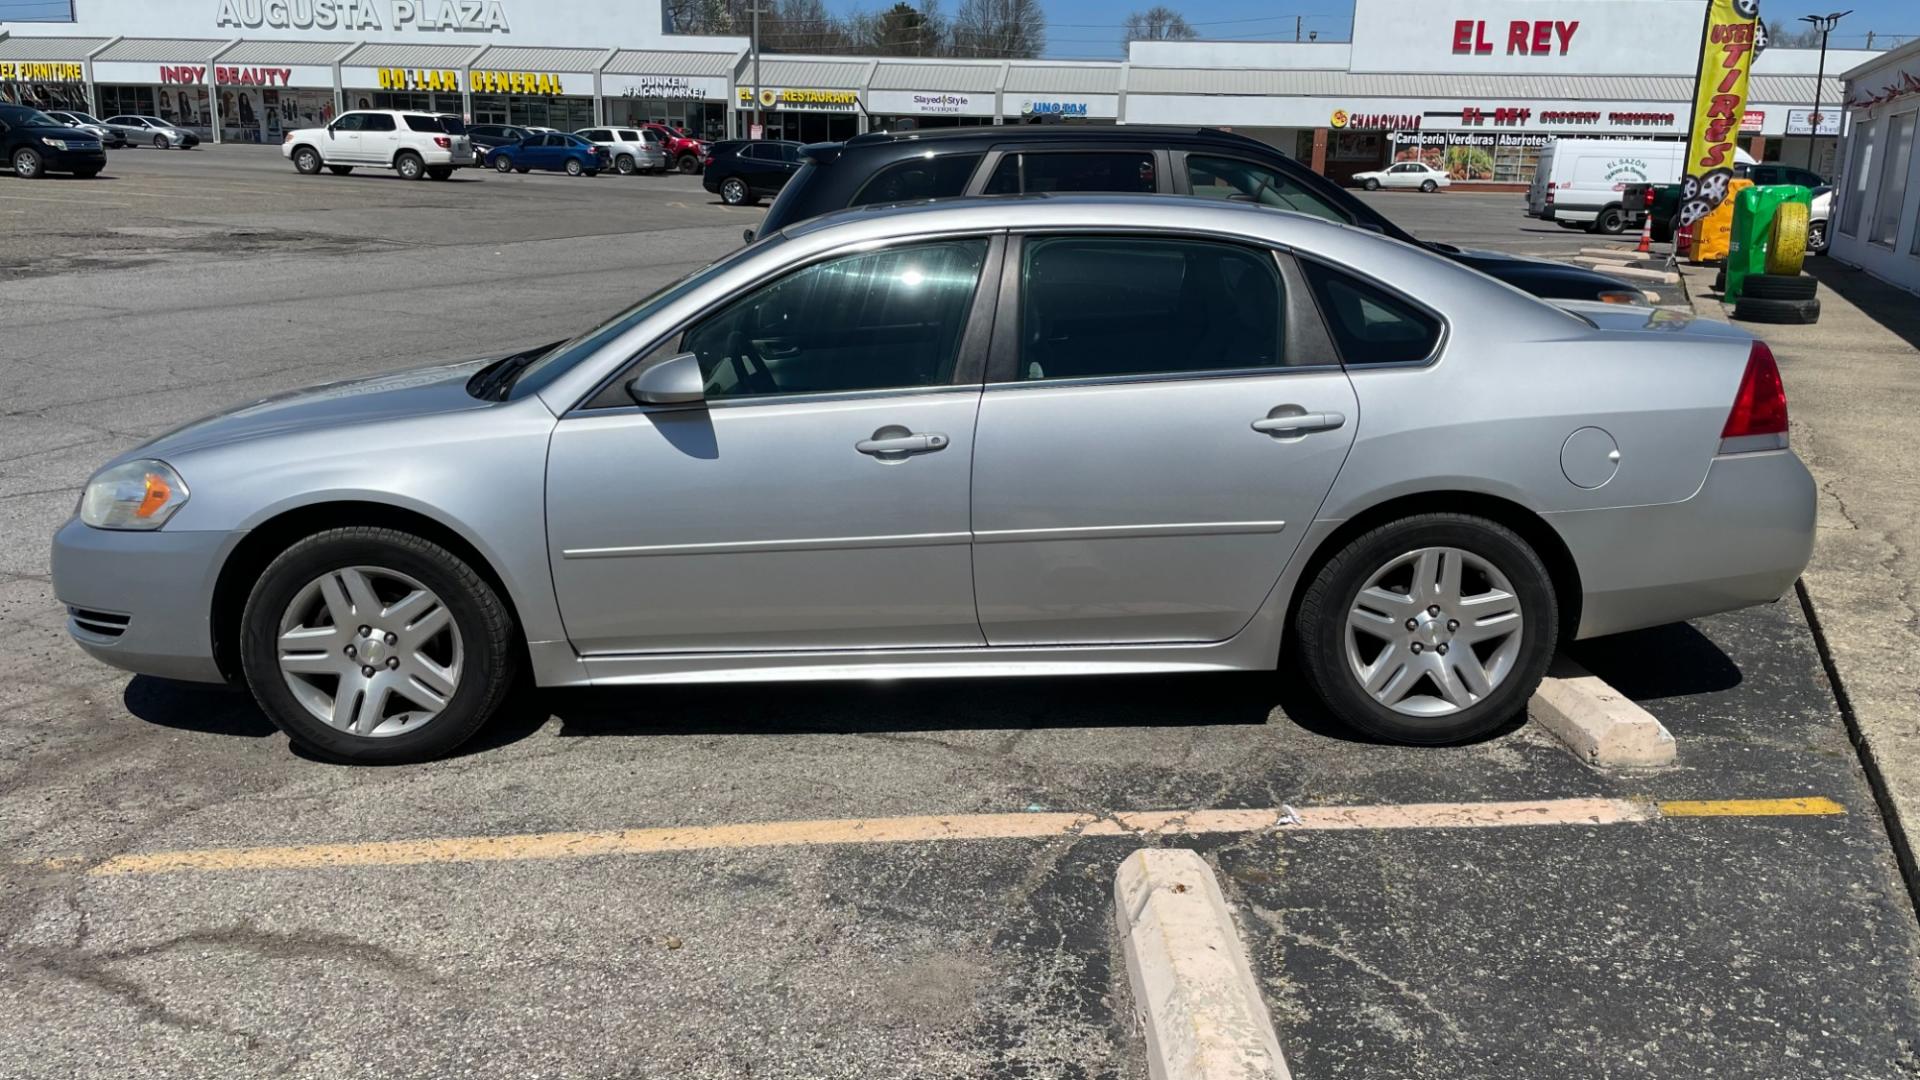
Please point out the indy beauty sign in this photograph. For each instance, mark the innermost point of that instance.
(1719, 101)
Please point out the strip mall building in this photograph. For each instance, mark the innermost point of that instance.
(1477, 86)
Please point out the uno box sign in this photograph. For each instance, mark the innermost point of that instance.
(1100, 106)
(11, 71)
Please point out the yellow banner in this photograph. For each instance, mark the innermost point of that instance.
(1719, 101)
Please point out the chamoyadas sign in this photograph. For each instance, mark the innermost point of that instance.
(426, 16)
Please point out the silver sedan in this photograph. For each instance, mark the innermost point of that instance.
(1045, 436)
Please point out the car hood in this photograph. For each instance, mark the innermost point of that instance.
(404, 394)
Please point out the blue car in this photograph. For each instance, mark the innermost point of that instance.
(553, 151)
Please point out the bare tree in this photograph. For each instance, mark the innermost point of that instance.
(999, 28)
(1157, 23)
(902, 30)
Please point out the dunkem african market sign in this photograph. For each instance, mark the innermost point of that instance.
(1719, 105)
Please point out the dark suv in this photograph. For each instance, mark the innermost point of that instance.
(884, 167)
(36, 144)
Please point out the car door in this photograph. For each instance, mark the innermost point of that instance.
(379, 139)
(817, 498)
(343, 146)
(1163, 417)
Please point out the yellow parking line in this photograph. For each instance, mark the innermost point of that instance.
(927, 829)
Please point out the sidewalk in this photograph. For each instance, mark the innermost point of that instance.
(1853, 383)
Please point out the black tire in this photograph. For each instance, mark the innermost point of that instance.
(160, 142)
(306, 160)
(1429, 186)
(1321, 619)
(523, 169)
(28, 164)
(410, 166)
(624, 164)
(440, 172)
(735, 192)
(1779, 287)
(688, 164)
(340, 170)
(1611, 221)
(486, 629)
(1370, 184)
(1777, 312)
(1662, 232)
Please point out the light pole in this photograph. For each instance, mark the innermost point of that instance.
(758, 120)
(1824, 24)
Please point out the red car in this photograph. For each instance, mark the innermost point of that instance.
(684, 152)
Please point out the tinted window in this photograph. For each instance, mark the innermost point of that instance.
(940, 177)
(452, 125)
(597, 135)
(423, 123)
(790, 152)
(351, 122)
(377, 122)
(877, 320)
(1006, 177)
(761, 152)
(1243, 181)
(629, 136)
(1107, 306)
(1100, 171)
(1370, 325)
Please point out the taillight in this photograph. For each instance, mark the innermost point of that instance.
(1551, 185)
(443, 142)
(1549, 198)
(1759, 417)
(1649, 196)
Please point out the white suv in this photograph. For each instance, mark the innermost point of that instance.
(415, 145)
(629, 152)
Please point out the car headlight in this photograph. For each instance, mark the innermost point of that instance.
(57, 144)
(133, 495)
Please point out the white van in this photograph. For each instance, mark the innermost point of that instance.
(1577, 181)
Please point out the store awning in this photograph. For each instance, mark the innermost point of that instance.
(1792, 89)
(1063, 79)
(524, 58)
(49, 48)
(422, 57)
(824, 74)
(162, 50)
(668, 62)
(956, 78)
(287, 53)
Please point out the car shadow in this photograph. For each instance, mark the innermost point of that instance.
(1669, 661)
(1888, 305)
(207, 708)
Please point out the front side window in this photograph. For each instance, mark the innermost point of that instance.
(378, 122)
(874, 321)
(353, 121)
(941, 176)
(1107, 306)
(1244, 181)
(1370, 325)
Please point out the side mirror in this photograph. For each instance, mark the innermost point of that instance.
(329, 131)
(675, 381)
(747, 235)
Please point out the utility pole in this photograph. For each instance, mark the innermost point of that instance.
(758, 120)
(1869, 39)
(1296, 29)
(1824, 24)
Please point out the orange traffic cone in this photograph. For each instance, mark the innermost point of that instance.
(1646, 235)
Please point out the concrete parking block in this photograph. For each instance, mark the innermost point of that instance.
(1193, 989)
(1614, 266)
(1599, 724)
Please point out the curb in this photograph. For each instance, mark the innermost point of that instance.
(1193, 991)
(1599, 724)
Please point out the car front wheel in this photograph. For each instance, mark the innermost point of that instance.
(1432, 629)
(307, 160)
(1371, 185)
(375, 646)
(689, 164)
(27, 164)
(503, 163)
(1817, 237)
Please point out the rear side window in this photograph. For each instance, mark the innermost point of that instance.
(1243, 181)
(452, 125)
(1102, 306)
(1369, 324)
(377, 122)
(942, 177)
(1100, 170)
(423, 123)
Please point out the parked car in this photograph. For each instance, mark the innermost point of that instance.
(685, 151)
(1772, 172)
(36, 144)
(883, 445)
(945, 162)
(1661, 202)
(626, 150)
(1582, 183)
(744, 171)
(1817, 217)
(415, 145)
(152, 131)
(487, 136)
(554, 151)
(111, 138)
(1412, 175)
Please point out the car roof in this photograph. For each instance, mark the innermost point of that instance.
(1156, 134)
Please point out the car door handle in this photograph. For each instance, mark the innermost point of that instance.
(899, 445)
(1299, 423)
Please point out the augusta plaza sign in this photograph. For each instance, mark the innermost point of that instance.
(425, 16)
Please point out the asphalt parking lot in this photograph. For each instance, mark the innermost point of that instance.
(685, 882)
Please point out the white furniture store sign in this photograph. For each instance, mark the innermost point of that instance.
(424, 16)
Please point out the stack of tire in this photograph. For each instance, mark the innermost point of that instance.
(1783, 294)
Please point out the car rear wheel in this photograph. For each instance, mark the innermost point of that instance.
(733, 192)
(1816, 237)
(307, 160)
(1432, 629)
(375, 646)
(340, 170)
(160, 142)
(1611, 221)
(574, 168)
(27, 164)
(624, 164)
(410, 166)
(1429, 186)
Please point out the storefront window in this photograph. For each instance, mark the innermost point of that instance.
(1893, 180)
(520, 110)
(126, 100)
(707, 120)
(418, 100)
(46, 95)
(1857, 169)
(805, 127)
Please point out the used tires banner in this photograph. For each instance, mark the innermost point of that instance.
(1719, 101)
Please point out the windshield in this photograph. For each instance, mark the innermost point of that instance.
(26, 117)
(562, 357)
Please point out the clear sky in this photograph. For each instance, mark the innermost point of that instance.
(1091, 28)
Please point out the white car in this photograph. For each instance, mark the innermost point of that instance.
(1817, 216)
(415, 145)
(1404, 174)
(627, 149)
(88, 123)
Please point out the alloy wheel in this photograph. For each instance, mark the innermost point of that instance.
(26, 164)
(733, 192)
(370, 651)
(1434, 631)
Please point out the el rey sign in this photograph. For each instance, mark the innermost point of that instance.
(1525, 37)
